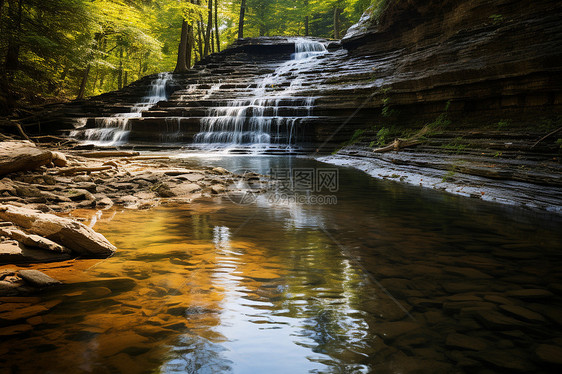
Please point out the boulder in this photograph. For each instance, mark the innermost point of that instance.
(74, 235)
(38, 279)
(22, 156)
(59, 159)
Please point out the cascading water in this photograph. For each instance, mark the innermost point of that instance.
(269, 117)
(114, 130)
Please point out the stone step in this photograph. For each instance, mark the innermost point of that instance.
(282, 111)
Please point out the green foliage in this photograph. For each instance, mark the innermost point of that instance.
(442, 121)
(497, 18)
(383, 135)
(387, 110)
(449, 175)
(357, 135)
(58, 43)
(559, 142)
(457, 145)
(504, 124)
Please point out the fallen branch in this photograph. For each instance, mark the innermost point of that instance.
(150, 158)
(546, 136)
(81, 169)
(105, 154)
(397, 145)
(51, 139)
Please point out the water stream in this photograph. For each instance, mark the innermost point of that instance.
(268, 115)
(114, 130)
(386, 278)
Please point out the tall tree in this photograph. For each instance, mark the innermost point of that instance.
(217, 35)
(241, 19)
(11, 62)
(306, 19)
(337, 22)
(209, 28)
(184, 49)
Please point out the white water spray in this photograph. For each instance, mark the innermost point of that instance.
(271, 114)
(115, 130)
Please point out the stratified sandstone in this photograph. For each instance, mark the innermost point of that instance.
(22, 155)
(72, 234)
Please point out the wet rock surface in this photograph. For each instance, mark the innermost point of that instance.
(443, 173)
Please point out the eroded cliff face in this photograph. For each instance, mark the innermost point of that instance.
(493, 57)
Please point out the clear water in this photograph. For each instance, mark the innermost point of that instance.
(379, 282)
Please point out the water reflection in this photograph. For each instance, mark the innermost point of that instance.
(218, 287)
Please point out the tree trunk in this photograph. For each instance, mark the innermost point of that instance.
(209, 28)
(217, 26)
(181, 64)
(306, 19)
(212, 41)
(200, 35)
(64, 72)
(102, 79)
(336, 23)
(95, 80)
(241, 21)
(1, 8)
(83, 83)
(120, 74)
(11, 64)
(126, 79)
(190, 46)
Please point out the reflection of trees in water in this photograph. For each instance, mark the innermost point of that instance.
(196, 355)
(325, 292)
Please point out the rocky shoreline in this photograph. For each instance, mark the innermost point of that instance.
(489, 179)
(37, 183)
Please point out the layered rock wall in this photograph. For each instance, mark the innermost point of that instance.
(485, 64)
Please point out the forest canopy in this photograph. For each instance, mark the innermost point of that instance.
(53, 49)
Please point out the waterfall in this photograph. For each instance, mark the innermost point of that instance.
(114, 130)
(270, 114)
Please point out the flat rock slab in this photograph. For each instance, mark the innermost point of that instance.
(511, 360)
(15, 253)
(465, 342)
(18, 156)
(549, 353)
(38, 279)
(522, 313)
(32, 240)
(531, 293)
(15, 330)
(72, 234)
(495, 320)
(391, 330)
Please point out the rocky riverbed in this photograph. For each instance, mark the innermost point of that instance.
(39, 185)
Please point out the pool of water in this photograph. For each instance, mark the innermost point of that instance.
(374, 276)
